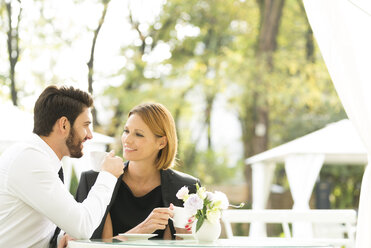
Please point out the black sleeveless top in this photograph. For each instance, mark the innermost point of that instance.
(128, 210)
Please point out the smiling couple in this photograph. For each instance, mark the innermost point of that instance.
(135, 197)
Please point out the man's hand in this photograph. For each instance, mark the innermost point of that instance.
(64, 241)
(113, 164)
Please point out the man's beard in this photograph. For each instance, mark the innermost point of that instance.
(74, 145)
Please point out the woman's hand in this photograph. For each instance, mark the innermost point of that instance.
(156, 220)
(187, 229)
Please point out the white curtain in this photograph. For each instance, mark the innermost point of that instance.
(302, 171)
(262, 175)
(342, 29)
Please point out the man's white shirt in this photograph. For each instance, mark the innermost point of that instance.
(33, 200)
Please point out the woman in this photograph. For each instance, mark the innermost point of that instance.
(143, 194)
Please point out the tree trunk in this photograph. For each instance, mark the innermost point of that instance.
(13, 49)
(309, 45)
(270, 13)
(309, 38)
(177, 115)
(91, 61)
(246, 126)
(208, 111)
(270, 16)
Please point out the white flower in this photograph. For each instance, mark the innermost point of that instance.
(213, 215)
(193, 203)
(182, 193)
(202, 192)
(210, 196)
(213, 203)
(220, 200)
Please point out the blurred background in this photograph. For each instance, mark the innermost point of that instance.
(239, 77)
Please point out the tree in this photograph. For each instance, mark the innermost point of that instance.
(228, 48)
(14, 11)
(279, 93)
(90, 64)
(270, 18)
(198, 57)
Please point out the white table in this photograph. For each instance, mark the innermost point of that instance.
(232, 243)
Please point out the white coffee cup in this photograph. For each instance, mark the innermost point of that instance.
(96, 159)
(181, 217)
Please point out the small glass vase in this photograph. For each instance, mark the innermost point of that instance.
(208, 231)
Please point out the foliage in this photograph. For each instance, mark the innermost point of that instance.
(346, 184)
(74, 182)
(210, 167)
(193, 53)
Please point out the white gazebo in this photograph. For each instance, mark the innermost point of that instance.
(338, 143)
(17, 124)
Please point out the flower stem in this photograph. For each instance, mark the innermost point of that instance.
(239, 206)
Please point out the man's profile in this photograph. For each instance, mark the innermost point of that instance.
(34, 204)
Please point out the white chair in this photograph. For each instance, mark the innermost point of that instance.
(342, 223)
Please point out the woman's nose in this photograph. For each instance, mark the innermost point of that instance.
(126, 138)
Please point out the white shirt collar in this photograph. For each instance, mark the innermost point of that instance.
(38, 141)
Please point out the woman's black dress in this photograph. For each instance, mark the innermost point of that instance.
(128, 210)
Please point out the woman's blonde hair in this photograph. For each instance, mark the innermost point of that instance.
(162, 124)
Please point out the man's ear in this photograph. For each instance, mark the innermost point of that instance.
(63, 125)
(163, 142)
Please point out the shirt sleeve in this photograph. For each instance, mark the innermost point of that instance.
(33, 179)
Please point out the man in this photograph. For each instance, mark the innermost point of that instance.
(34, 203)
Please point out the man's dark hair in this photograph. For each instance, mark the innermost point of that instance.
(55, 102)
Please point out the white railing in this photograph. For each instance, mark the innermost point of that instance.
(330, 226)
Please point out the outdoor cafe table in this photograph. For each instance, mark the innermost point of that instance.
(232, 243)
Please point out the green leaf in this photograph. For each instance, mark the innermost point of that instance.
(207, 202)
(197, 187)
(198, 214)
(200, 221)
(204, 209)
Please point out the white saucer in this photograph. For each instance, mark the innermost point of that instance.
(137, 236)
(185, 235)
